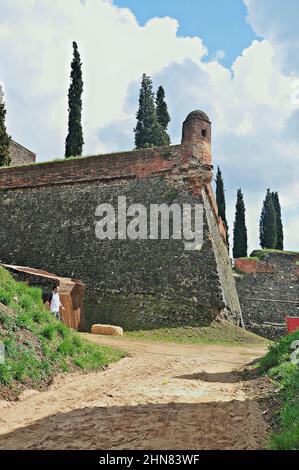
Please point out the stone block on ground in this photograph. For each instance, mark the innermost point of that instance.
(109, 330)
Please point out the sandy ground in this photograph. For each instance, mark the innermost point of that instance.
(163, 396)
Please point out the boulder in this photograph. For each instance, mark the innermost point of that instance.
(110, 330)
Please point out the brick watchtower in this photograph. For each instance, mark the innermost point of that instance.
(196, 160)
(196, 138)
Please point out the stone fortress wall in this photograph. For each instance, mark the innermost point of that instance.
(48, 222)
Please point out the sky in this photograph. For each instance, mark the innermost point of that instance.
(235, 59)
(218, 22)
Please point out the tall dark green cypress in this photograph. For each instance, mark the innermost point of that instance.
(148, 131)
(74, 141)
(162, 109)
(5, 159)
(240, 230)
(279, 226)
(220, 199)
(268, 228)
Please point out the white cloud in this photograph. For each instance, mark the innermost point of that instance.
(278, 22)
(219, 55)
(255, 126)
(35, 56)
(252, 107)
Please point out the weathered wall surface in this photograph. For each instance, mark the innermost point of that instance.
(129, 282)
(252, 266)
(48, 222)
(223, 262)
(20, 155)
(268, 293)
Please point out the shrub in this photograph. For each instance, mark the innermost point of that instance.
(279, 352)
(49, 331)
(285, 374)
(67, 347)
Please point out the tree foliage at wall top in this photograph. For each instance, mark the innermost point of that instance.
(74, 141)
(162, 109)
(148, 131)
(240, 230)
(268, 226)
(279, 226)
(220, 199)
(5, 159)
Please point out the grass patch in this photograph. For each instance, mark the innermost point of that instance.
(260, 254)
(37, 346)
(223, 333)
(280, 365)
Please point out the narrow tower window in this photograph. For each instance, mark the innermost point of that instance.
(204, 133)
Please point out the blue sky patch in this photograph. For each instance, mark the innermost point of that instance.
(220, 23)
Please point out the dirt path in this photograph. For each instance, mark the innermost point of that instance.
(163, 396)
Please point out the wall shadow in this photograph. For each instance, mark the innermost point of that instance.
(220, 377)
(216, 425)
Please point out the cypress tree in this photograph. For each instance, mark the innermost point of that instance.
(279, 226)
(74, 141)
(5, 159)
(148, 131)
(240, 230)
(268, 228)
(162, 110)
(220, 199)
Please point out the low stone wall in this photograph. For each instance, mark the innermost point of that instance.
(268, 296)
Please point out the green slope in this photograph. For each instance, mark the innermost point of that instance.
(36, 345)
(282, 365)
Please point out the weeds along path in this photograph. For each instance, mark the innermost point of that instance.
(162, 396)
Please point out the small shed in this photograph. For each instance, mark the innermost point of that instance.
(71, 292)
